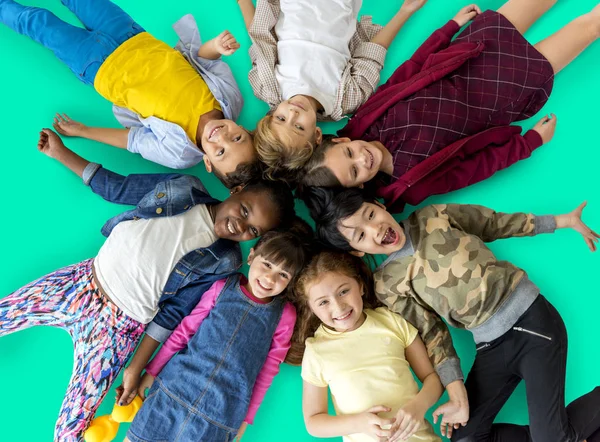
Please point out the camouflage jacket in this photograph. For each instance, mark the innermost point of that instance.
(445, 270)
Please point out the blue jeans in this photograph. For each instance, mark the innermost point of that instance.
(83, 50)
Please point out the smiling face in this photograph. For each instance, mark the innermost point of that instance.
(372, 229)
(245, 215)
(336, 299)
(294, 122)
(353, 162)
(226, 145)
(266, 279)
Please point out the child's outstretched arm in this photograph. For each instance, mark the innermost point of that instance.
(223, 44)
(476, 161)
(51, 145)
(68, 127)
(319, 423)
(411, 416)
(368, 57)
(490, 225)
(145, 137)
(389, 31)
(247, 8)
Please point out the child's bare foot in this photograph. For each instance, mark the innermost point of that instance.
(64, 125)
(50, 144)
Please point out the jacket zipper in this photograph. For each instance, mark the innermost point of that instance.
(524, 330)
(481, 347)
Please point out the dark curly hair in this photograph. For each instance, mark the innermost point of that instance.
(281, 196)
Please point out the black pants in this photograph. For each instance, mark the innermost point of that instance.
(534, 350)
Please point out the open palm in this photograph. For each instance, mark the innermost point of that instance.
(574, 219)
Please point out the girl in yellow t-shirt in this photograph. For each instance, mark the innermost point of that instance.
(363, 355)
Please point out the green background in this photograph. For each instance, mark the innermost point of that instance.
(50, 219)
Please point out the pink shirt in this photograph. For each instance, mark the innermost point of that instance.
(190, 324)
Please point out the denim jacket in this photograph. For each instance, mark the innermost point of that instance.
(167, 143)
(160, 195)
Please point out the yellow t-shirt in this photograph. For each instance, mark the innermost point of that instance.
(366, 367)
(151, 78)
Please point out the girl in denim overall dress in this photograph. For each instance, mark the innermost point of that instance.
(230, 348)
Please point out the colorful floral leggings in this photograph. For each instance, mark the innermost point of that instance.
(103, 336)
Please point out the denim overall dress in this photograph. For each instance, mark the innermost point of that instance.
(203, 393)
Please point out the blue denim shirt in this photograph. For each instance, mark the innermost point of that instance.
(160, 195)
(167, 143)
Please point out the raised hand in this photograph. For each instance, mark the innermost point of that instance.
(466, 14)
(64, 125)
(225, 43)
(573, 220)
(545, 127)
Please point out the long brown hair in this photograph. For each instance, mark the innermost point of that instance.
(326, 261)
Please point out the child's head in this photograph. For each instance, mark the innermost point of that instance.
(286, 137)
(275, 261)
(335, 287)
(254, 210)
(352, 220)
(340, 162)
(229, 153)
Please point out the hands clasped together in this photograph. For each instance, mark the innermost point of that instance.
(409, 419)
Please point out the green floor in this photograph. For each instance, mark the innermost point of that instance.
(50, 219)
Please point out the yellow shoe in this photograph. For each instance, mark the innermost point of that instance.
(105, 428)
